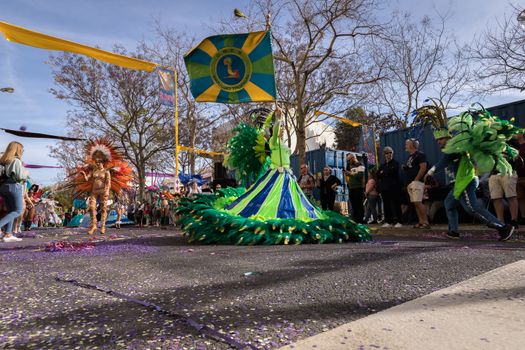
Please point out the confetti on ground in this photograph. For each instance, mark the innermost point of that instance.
(66, 246)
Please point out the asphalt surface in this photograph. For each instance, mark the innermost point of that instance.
(268, 296)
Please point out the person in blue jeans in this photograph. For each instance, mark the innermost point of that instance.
(12, 187)
(467, 198)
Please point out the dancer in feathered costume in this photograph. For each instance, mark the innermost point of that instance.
(476, 136)
(273, 210)
(105, 171)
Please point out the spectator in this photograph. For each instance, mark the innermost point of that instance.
(354, 175)
(29, 213)
(307, 182)
(415, 168)
(434, 197)
(12, 188)
(131, 211)
(372, 196)
(139, 214)
(389, 186)
(519, 162)
(329, 185)
(504, 186)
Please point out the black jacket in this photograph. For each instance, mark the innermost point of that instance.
(388, 179)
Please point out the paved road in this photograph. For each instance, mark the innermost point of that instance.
(292, 292)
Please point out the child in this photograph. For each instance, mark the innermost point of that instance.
(372, 196)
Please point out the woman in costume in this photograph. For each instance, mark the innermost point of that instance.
(274, 210)
(105, 171)
(165, 197)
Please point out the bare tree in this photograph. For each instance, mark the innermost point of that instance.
(500, 55)
(196, 119)
(420, 59)
(116, 102)
(318, 55)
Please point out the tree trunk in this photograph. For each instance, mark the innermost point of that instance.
(300, 148)
(142, 182)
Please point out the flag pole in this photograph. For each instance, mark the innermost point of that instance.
(375, 148)
(176, 126)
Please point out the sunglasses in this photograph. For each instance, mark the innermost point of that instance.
(388, 152)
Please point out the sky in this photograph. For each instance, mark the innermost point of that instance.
(126, 22)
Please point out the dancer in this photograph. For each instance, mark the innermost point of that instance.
(101, 179)
(274, 210)
(483, 136)
(166, 197)
(105, 171)
(119, 209)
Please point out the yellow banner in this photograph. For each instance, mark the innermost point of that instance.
(28, 37)
(199, 151)
(344, 120)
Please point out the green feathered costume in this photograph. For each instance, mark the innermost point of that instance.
(274, 210)
(478, 136)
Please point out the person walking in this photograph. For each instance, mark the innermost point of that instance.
(355, 182)
(504, 186)
(519, 162)
(465, 195)
(328, 184)
(12, 188)
(415, 169)
(389, 185)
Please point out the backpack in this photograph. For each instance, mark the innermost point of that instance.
(3, 175)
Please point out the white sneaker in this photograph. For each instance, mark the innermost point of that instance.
(11, 239)
(385, 225)
(398, 225)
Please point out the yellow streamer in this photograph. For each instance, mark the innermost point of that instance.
(43, 41)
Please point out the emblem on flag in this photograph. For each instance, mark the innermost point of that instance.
(232, 68)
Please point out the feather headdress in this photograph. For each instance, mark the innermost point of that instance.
(434, 115)
(120, 170)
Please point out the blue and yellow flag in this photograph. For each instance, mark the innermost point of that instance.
(232, 68)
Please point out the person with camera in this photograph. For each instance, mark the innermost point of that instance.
(355, 181)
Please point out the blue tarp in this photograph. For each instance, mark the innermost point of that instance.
(81, 220)
(187, 178)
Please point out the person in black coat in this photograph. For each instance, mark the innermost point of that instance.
(389, 185)
(329, 184)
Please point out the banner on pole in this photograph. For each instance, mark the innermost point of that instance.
(367, 143)
(232, 68)
(167, 87)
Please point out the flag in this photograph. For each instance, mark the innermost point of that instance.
(43, 41)
(367, 143)
(167, 87)
(232, 68)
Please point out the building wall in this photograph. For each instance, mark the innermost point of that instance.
(510, 110)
